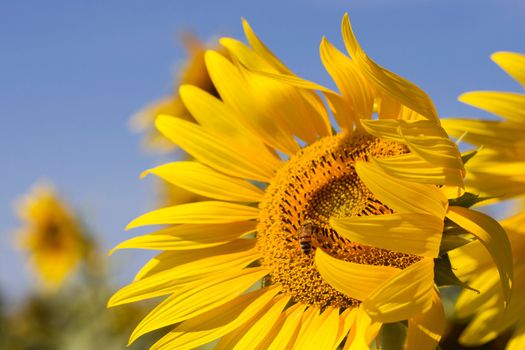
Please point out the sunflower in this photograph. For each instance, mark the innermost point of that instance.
(192, 72)
(310, 238)
(51, 234)
(490, 319)
(498, 170)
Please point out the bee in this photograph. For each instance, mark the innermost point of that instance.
(306, 233)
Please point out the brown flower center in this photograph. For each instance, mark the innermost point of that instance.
(318, 183)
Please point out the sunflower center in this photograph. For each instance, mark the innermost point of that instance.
(316, 184)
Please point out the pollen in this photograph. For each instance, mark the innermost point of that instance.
(317, 183)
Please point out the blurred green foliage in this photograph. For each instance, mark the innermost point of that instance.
(75, 317)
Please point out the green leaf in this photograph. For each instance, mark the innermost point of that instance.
(450, 242)
(451, 228)
(394, 336)
(466, 156)
(444, 275)
(467, 200)
(454, 237)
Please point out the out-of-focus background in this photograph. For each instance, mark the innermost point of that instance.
(72, 73)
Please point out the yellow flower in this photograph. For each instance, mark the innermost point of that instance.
(309, 238)
(498, 170)
(490, 319)
(193, 72)
(51, 234)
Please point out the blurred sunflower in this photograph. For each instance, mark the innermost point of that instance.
(490, 319)
(308, 246)
(498, 170)
(52, 236)
(192, 72)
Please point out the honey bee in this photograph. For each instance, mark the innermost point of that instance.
(306, 232)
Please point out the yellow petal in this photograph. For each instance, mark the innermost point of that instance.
(341, 110)
(513, 63)
(491, 319)
(296, 81)
(321, 333)
(413, 233)
(304, 113)
(338, 106)
(198, 298)
(517, 341)
(321, 123)
(309, 317)
(217, 322)
(499, 186)
(206, 212)
(384, 128)
(470, 302)
(402, 196)
(453, 192)
(353, 85)
(509, 105)
(200, 179)
(261, 48)
(247, 56)
(166, 277)
(346, 321)
(425, 330)
(387, 107)
(363, 332)
(389, 83)
(285, 330)
(406, 113)
(397, 130)
(514, 226)
(298, 115)
(492, 236)
(490, 133)
(287, 104)
(490, 164)
(410, 167)
(470, 259)
(482, 329)
(326, 334)
(426, 141)
(254, 105)
(212, 151)
(439, 151)
(308, 118)
(404, 295)
(253, 333)
(321, 120)
(169, 259)
(357, 281)
(189, 236)
(219, 120)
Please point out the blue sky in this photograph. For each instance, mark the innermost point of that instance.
(72, 72)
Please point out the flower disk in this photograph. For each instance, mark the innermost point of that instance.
(318, 183)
